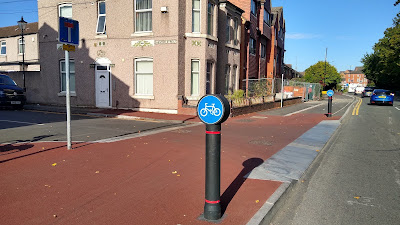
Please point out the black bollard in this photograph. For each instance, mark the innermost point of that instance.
(212, 207)
(330, 106)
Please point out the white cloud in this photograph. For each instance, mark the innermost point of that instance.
(299, 36)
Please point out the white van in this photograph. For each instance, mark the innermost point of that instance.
(352, 88)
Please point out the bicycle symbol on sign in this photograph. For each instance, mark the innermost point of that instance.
(213, 111)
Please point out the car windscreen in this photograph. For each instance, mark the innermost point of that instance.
(7, 81)
(368, 89)
(382, 93)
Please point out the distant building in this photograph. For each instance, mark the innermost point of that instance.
(12, 48)
(354, 76)
(290, 73)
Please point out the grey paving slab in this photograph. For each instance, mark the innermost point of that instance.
(290, 163)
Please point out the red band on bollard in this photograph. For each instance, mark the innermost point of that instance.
(213, 202)
(213, 132)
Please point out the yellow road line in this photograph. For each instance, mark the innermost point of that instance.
(357, 107)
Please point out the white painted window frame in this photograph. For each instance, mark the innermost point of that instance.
(61, 76)
(147, 59)
(64, 5)
(143, 11)
(3, 44)
(199, 11)
(98, 18)
(191, 78)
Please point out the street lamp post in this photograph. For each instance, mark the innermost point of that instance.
(22, 26)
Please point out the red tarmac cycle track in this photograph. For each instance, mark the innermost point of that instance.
(153, 179)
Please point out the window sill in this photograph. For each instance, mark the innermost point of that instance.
(101, 36)
(193, 98)
(267, 24)
(3, 55)
(64, 93)
(142, 34)
(199, 35)
(144, 96)
(232, 46)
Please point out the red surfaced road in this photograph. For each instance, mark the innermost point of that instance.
(156, 179)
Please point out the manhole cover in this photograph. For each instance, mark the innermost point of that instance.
(182, 131)
(261, 142)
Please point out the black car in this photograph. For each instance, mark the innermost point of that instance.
(10, 93)
(367, 92)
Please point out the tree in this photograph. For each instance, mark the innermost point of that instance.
(383, 65)
(316, 74)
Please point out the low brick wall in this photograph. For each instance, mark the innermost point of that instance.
(190, 110)
(268, 105)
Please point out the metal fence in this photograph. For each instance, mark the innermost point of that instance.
(266, 87)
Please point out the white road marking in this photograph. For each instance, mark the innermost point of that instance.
(342, 108)
(396, 172)
(12, 121)
(259, 117)
(397, 108)
(304, 109)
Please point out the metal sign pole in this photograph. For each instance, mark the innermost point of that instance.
(282, 93)
(212, 207)
(330, 106)
(67, 97)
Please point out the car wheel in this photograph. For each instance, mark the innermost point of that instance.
(18, 107)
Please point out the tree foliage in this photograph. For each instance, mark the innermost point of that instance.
(316, 74)
(383, 65)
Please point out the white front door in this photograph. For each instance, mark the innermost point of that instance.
(102, 87)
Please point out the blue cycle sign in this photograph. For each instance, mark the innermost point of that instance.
(330, 93)
(212, 109)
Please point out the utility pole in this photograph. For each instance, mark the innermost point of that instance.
(326, 53)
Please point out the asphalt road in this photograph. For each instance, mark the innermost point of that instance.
(339, 106)
(30, 126)
(356, 178)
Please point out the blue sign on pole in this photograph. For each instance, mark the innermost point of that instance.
(68, 31)
(330, 93)
(212, 109)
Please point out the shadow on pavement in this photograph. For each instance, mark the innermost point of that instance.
(234, 187)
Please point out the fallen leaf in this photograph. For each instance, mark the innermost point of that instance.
(178, 175)
(47, 185)
(43, 148)
(97, 171)
(175, 172)
(87, 136)
(357, 197)
(127, 156)
(317, 150)
(54, 216)
(54, 164)
(257, 201)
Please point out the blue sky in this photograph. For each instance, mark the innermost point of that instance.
(348, 28)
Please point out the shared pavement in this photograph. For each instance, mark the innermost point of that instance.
(157, 176)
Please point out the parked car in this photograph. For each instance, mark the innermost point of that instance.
(367, 92)
(10, 93)
(382, 96)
